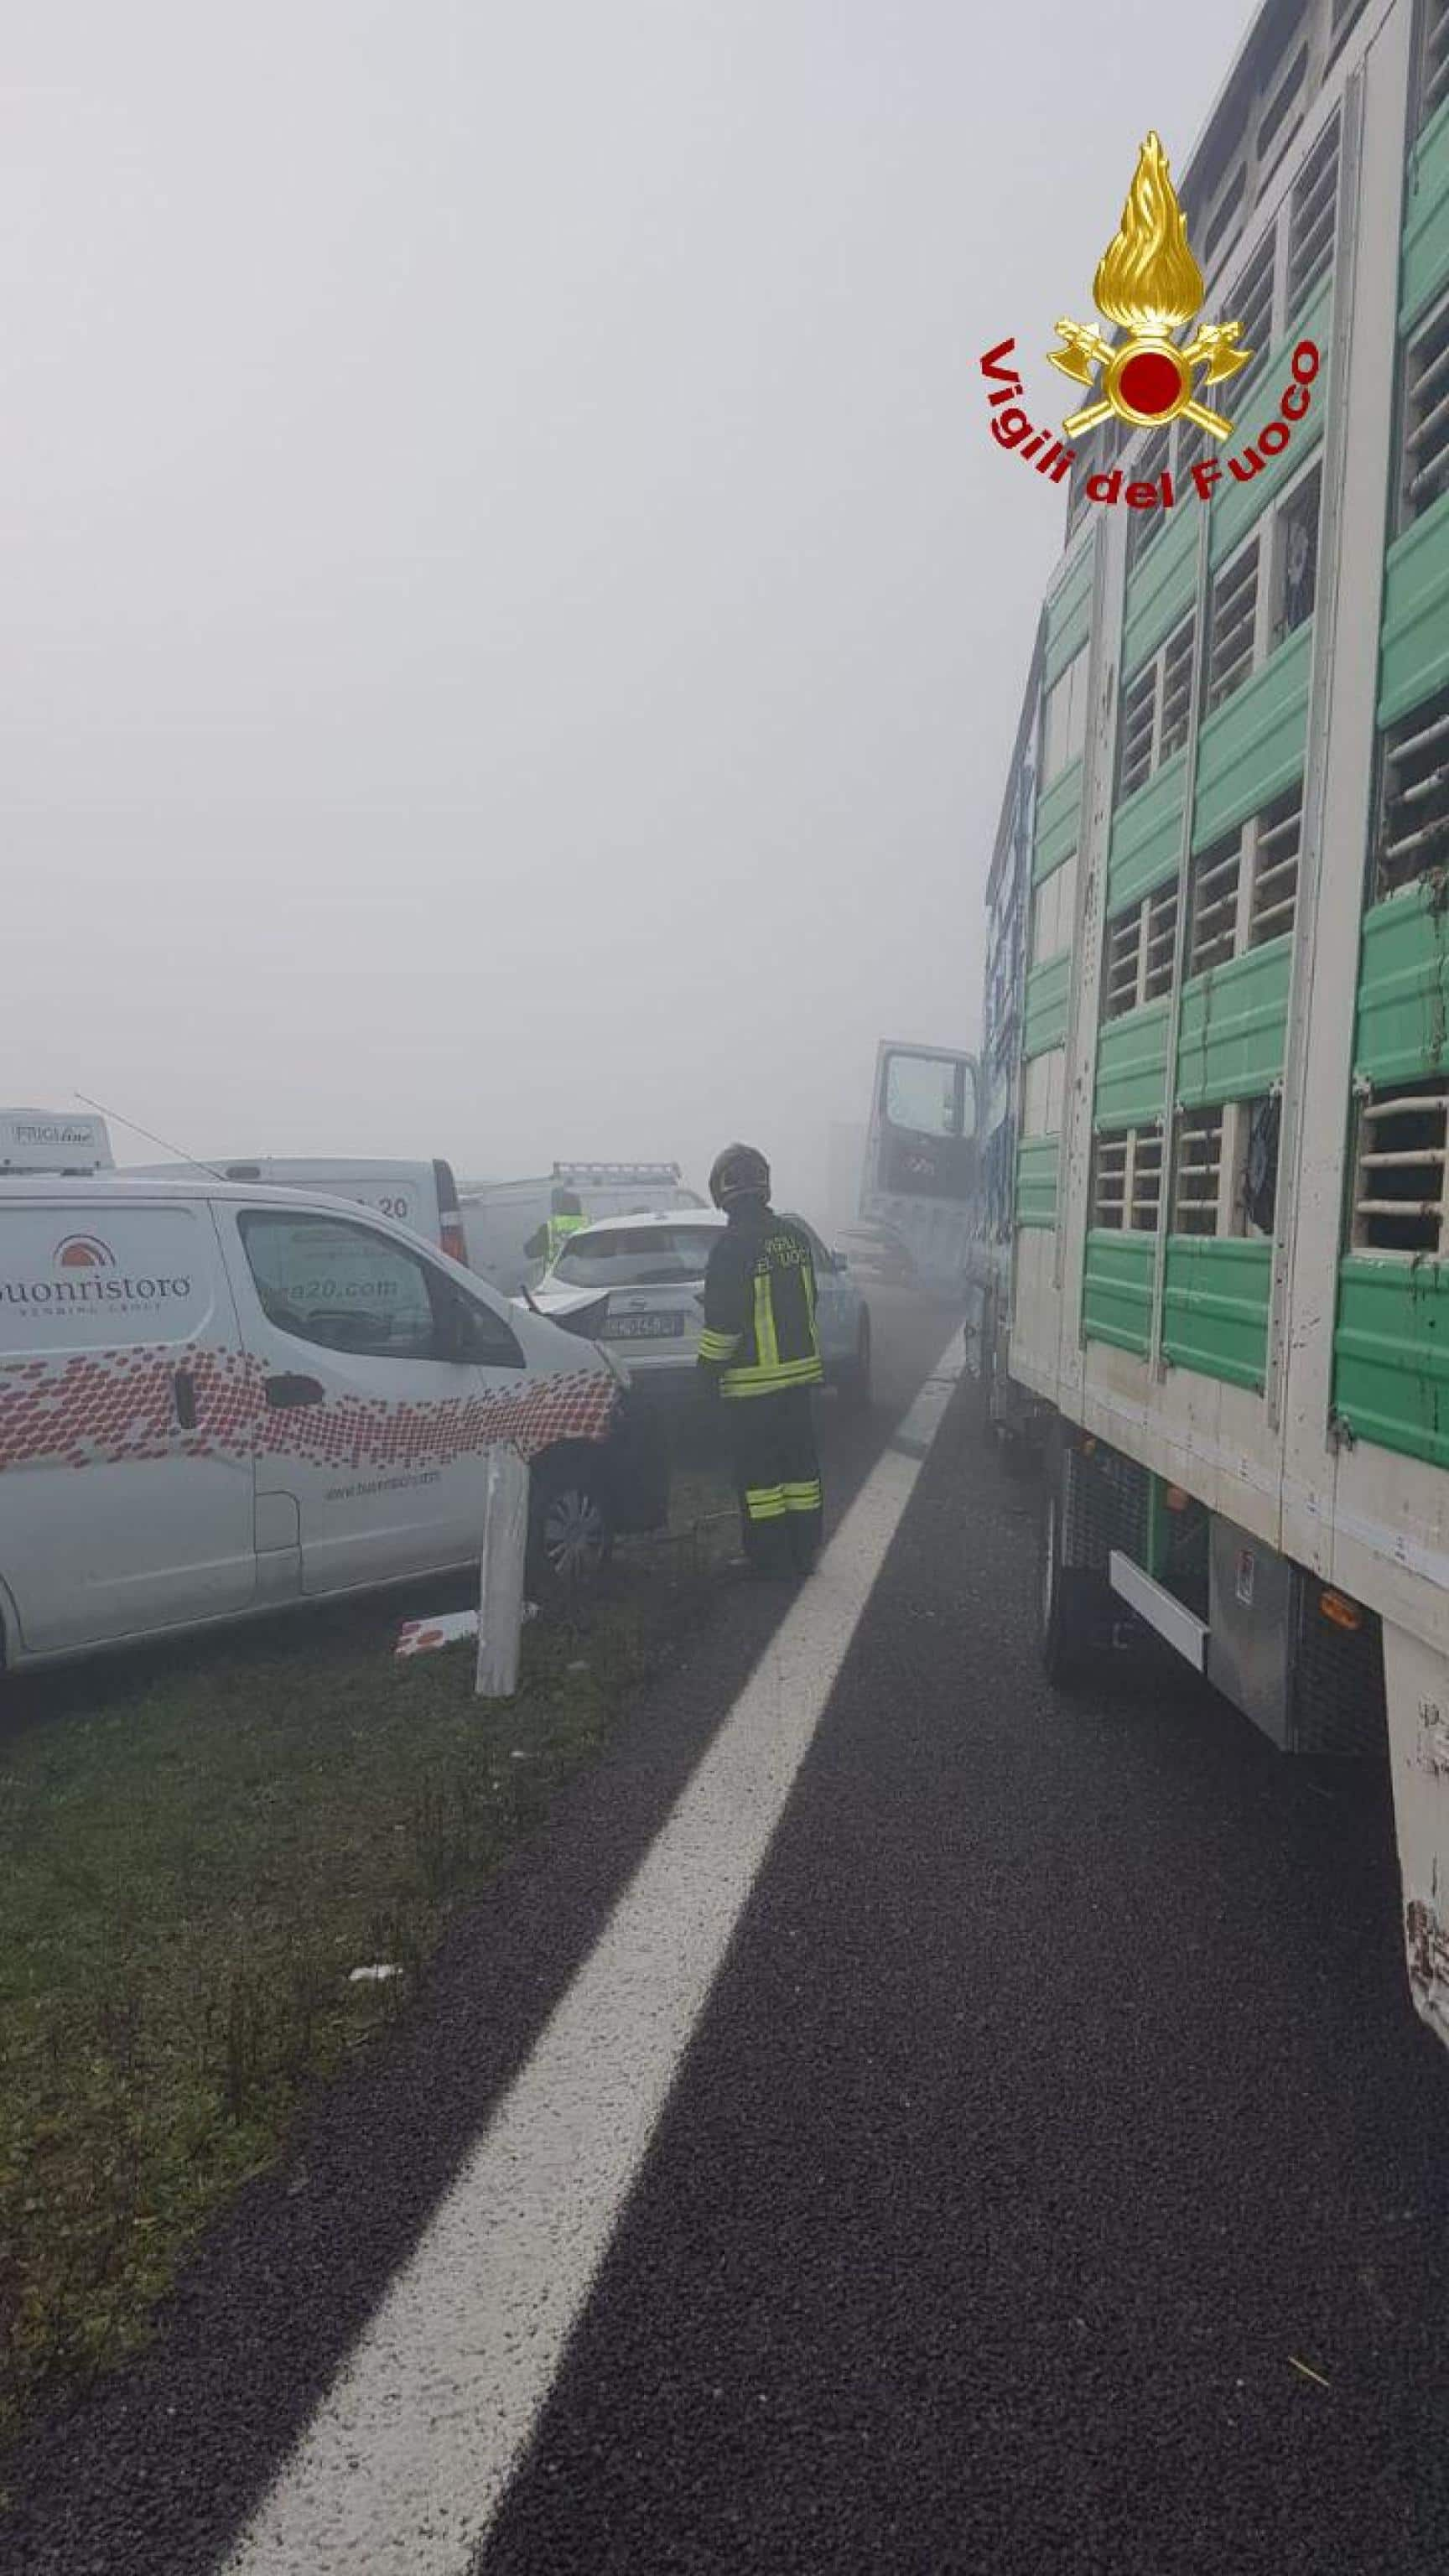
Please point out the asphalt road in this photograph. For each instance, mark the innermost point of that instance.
(1057, 2110)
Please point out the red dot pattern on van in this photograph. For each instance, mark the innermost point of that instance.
(120, 1406)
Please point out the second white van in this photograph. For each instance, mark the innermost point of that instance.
(216, 1399)
(422, 1195)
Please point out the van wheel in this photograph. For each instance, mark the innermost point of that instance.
(855, 1380)
(570, 1533)
(1069, 1597)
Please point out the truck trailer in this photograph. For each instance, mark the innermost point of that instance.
(1209, 1263)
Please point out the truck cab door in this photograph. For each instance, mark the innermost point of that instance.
(922, 1157)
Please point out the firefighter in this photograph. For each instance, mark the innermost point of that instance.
(760, 1352)
(547, 1240)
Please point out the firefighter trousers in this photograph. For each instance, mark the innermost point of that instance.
(777, 1478)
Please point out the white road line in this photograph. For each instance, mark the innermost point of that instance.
(409, 2453)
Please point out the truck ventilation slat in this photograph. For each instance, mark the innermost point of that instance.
(1252, 303)
(1430, 430)
(1234, 617)
(1311, 218)
(1406, 747)
(1418, 1158)
(1426, 416)
(1435, 84)
(1400, 1172)
(1199, 1172)
(1288, 828)
(1414, 797)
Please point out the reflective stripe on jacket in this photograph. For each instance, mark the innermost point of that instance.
(759, 1305)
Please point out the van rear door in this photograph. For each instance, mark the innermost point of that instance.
(125, 1454)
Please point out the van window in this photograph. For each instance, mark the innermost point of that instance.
(345, 1287)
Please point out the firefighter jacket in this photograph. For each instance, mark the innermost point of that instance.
(759, 1306)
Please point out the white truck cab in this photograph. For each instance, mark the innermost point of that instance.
(217, 1398)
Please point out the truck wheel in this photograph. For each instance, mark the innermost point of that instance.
(1069, 1597)
(855, 1381)
(570, 1533)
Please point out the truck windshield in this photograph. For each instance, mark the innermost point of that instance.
(653, 1256)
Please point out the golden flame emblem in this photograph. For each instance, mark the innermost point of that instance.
(1150, 285)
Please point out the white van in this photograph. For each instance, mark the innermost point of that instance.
(421, 1195)
(215, 1399)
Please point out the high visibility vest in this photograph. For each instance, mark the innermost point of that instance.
(559, 1230)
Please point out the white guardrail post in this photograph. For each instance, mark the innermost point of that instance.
(500, 1593)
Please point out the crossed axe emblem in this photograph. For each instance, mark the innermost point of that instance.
(1214, 348)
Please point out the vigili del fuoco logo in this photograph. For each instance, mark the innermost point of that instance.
(1149, 284)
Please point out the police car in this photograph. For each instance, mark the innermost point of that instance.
(645, 1274)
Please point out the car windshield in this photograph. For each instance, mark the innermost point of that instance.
(654, 1256)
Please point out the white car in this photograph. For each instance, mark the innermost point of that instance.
(651, 1269)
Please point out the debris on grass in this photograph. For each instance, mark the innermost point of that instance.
(423, 1636)
(373, 1976)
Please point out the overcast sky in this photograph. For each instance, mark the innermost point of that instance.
(511, 621)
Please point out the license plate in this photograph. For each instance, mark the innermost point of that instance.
(641, 1328)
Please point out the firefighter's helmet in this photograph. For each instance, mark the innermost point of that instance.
(739, 1172)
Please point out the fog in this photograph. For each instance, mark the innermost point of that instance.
(512, 623)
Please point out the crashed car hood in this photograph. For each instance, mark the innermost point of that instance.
(578, 1309)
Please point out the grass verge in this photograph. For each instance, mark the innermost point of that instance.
(195, 1852)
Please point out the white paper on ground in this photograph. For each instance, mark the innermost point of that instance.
(420, 1636)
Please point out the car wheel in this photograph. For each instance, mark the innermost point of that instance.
(570, 1531)
(855, 1381)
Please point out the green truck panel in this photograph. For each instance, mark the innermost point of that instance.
(1251, 748)
(1162, 584)
(1236, 505)
(1069, 616)
(1232, 1028)
(1403, 989)
(1415, 655)
(1117, 1289)
(1391, 1355)
(1036, 1180)
(1132, 1068)
(1215, 1306)
(1147, 836)
(1426, 220)
(1044, 1022)
(1058, 812)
